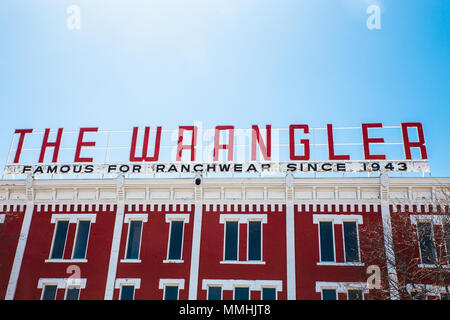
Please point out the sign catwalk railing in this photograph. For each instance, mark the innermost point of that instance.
(223, 149)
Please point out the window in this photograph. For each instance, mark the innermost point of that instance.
(127, 292)
(176, 231)
(127, 287)
(49, 292)
(79, 251)
(444, 296)
(59, 239)
(269, 294)
(351, 241)
(231, 240)
(62, 222)
(171, 292)
(241, 293)
(331, 290)
(171, 288)
(426, 243)
(242, 288)
(50, 286)
(254, 240)
(329, 294)
(326, 241)
(214, 293)
(134, 239)
(355, 294)
(72, 293)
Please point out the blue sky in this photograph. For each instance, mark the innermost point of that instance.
(173, 62)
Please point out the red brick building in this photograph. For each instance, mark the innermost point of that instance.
(233, 238)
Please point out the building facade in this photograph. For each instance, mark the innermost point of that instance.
(231, 238)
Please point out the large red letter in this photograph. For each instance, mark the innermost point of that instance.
(305, 142)
(256, 138)
(229, 147)
(181, 146)
(331, 154)
(145, 145)
(418, 144)
(55, 145)
(81, 143)
(366, 141)
(22, 133)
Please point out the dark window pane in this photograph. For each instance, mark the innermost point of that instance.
(231, 240)
(81, 240)
(254, 240)
(241, 294)
(269, 294)
(127, 293)
(326, 241)
(134, 239)
(427, 250)
(355, 294)
(176, 239)
(49, 292)
(214, 293)
(351, 242)
(59, 242)
(171, 293)
(329, 294)
(444, 296)
(73, 294)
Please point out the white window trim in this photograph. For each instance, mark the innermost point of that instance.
(163, 283)
(171, 282)
(435, 219)
(243, 219)
(338, 219)
(136, 282)
(341, 264)
(128, 218)
(341, 287)
(242, 262)
(253, 285)
(135, 216)
(72, 218)
(175, 217)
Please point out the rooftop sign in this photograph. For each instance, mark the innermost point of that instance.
(223, 149)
